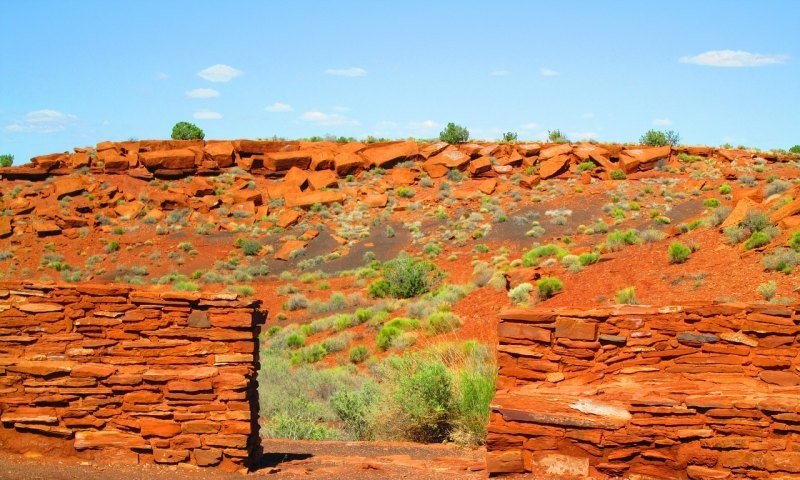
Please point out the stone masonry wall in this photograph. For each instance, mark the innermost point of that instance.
(698, 392)
(107, 370)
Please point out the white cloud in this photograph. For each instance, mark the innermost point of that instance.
(161, 76)
(529, 126)
(340, 109)
(424, 125)
(734, 58)
(346, 72)
(499, 73)
(202, 93)
(662, 122)
(587, 115)
(583, 135)
(546, 72)
(279, 107)
(219, 73)
(207, 115)
(327, 119)
(42, 121)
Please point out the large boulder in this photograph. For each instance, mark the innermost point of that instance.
(50, 161)
(633, 159)
(68, 186)
(307, 199)
(450, 157)
(219, 152)
(283, 161)
(181, 159)
(347, 164)
(555, 151)
(553, 167)
(388, 154)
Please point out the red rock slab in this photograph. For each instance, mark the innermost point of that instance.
(435, 170)
(377, 200)
(220, 152)
(451, 157)
(632, 159)
(5, 227)
(388, 154)
(30, 173)
(322, 179)
(487, 186)
(199, 187)
(51, 160)
(297, 177)
(41, 368)
(322, 197)
(65, 186)
(402, 176)
(347, 164)
(322, 160)
(480, 165)
(788, 210)
(554, 151)
(183, 158)
(30, 415)
(283, 161)
(43, 228)
(528, 149)
(585, 150)
(109, 438)
(739, 212)
(288, 218)
(554, 166)
(432, 149)
(287, 248)
(530, 181)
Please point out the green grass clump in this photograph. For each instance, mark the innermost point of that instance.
(757, 239)
(404, 192)
(617, 239)
(442, 322)
(627, 296)
(617, 174)
(533, 256)
(295, 340)
(678, 252)
(358, 354)
(794, 242)
(394, 329)
(248, 246)
(406, 277)
(546, 287)
(520, 293)
(588, 258)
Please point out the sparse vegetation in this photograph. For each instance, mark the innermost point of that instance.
(678, 252)
(6, 160)
(454, 134)
(187, 131)
(658, 138)
(548, 286)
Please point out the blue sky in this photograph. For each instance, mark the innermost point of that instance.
(78, 72)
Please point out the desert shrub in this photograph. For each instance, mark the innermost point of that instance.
(476, 389)
(425, 397)
(6, 160)
(776, 186)
(555, 136)
(781, 260)
(756, 221)
(617, 174)
(588, 258)
(393, 329)
(757, 239)
(767, 290)
(794, 242)
(534, 255)
(112, 246)
(617, 239)
(454, 134)
(658, 138)
(409, 277)
(520, 293)
(711, 203)
(379, 289)
(432, 249)
(678, 252)
(651, 235)
(358, 354)
(187, 131)
(295, 340)
(356, 410)
(310, 354)
(296, 302)
(248, 246)
(362, 315)
(795, 149)
(735, 234)
(337, 343)
(586, 166)
(546, 287)
(509, 137)
(404, 192)
(442, 322)
(627, 296)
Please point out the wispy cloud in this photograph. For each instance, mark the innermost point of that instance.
(202, 93)
(583, 135)
(587, 115)
(662, 122)
(219, 73)
(424, 125)
(42, 121)
(529, 126)
(328, 119)
(161, 76)
(346, 72)
(546, 72)
(279, 107)
(207, 115)
(734, 58)
(499, 73)
(340, 109)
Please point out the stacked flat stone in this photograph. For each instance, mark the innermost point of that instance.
(699, 392)
(166, 377)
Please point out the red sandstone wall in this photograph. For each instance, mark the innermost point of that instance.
(166, 378)
(698, 392)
